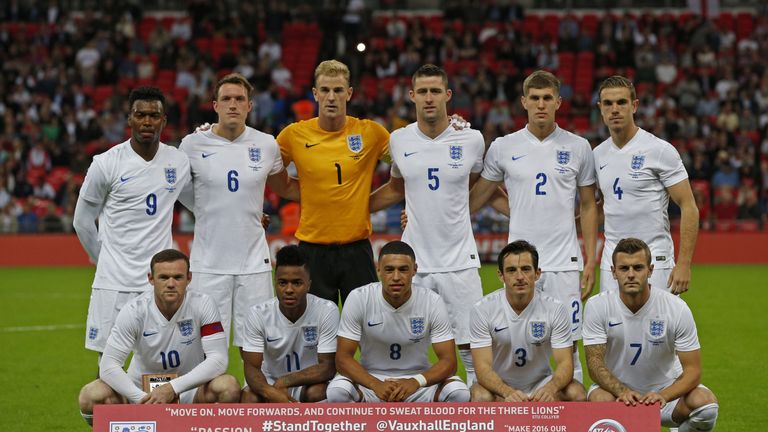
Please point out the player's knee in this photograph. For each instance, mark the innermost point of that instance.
(454, 391)
(600, 395)
(314, 393)
(248, 396)
(479, 393)
(703, 419)
(341, 390)
(94, 393)
(574, 392)
(225, 389)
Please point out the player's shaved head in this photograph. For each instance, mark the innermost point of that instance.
(631, 246)
(168, 255)
(518, 247)
(397, 247)
(290, 256)
(430, 70)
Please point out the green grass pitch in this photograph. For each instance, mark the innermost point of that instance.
(43, 363)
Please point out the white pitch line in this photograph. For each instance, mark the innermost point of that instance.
(41, 328)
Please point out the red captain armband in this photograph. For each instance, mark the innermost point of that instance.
(211, 328)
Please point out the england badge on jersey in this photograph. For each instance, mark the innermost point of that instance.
(186, 327)
(254, 155)
(537, 331)
(170, 177)
(563, 157)
(657, 329)
(309, 334)
(457, 154)
(417, 328)
(638, 161)
(355, 143)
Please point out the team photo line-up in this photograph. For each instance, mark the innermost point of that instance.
(425, 291)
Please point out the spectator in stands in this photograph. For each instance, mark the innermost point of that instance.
(749, 204)
(725, 208)
(271, 50)
(281, 76)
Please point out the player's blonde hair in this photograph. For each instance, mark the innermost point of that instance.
(617, 81)
(332, 68)
(541, 79)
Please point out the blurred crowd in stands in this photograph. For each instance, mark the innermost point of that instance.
(65, 77)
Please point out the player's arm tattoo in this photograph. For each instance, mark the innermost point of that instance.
(600, 373)
(323, 371)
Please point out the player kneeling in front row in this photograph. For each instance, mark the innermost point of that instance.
(515, 330)
(633, 339)
(290, 341)
(394, 323)
(176, 339)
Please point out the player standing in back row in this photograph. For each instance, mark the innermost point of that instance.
(131, 189)
(638, 173)
(335, 156)
(231, 165)
(433, 167)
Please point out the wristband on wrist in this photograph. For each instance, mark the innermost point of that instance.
(420, 379)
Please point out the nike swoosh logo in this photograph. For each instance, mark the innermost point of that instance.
(146, 333)
(514, 158)
(610, 324)
(272, 340)
(603, 166)
(370, 324)
(125, 179)
(308, 145)
(496, 329)
(408, 154)
(208, 155)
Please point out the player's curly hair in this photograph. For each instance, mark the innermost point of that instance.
(291, 256)
(146, 93)
(516, 248)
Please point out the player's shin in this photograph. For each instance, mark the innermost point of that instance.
(702, 419)
(469, 366)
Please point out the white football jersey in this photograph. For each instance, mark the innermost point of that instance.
(160, 345)
(542, 179)
(394, 342)
(228, 178)
(641, 346)
(521, 344)
(634, 182)
(135, 222)
(291, 346)
(436, 173)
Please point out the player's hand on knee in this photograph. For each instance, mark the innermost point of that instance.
(629, 397)
(162, 395)
(651, 398)
(545, 394)
(384, 389)
(405, 387)
(516, 396)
